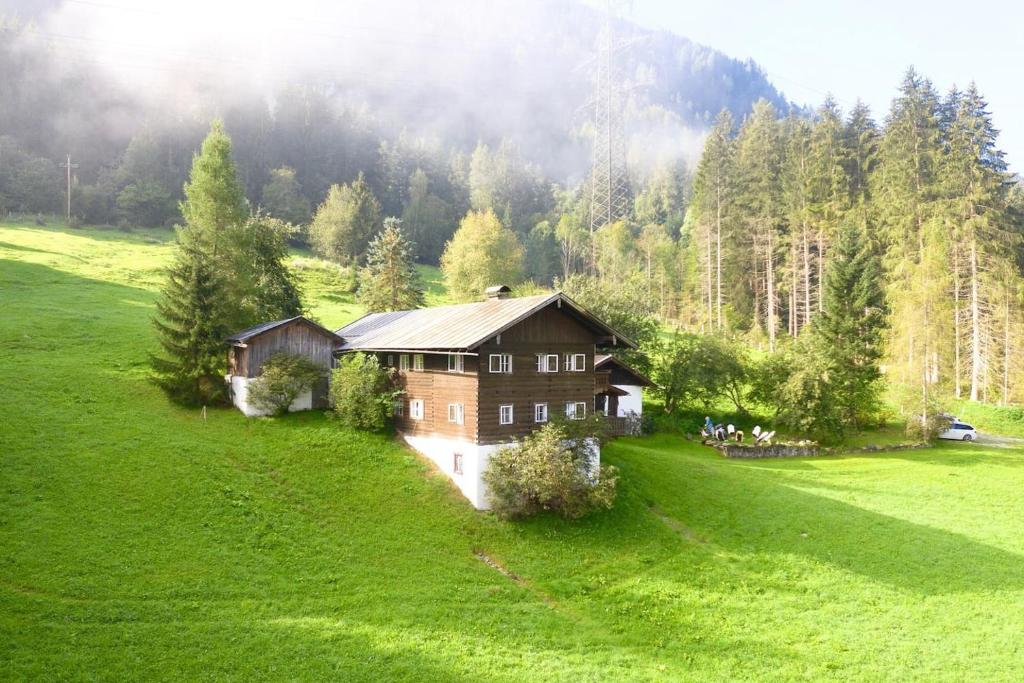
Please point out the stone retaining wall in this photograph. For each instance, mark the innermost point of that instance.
(797, 451)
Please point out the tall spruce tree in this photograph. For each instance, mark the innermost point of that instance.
(861, 143)
(191, 330)
(905, 189)
(975, 189)
(830, 198)
(759, 160)
(851, 324)
(390, 281)
(713, 189)
(799, 184)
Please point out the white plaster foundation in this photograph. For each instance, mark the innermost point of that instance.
(475, 458)
(633, 403)
(240, 396)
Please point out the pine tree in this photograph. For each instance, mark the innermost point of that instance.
(799, 185)
(191, 331)
(829, 202)
(905, 191)
(850, 326)
(214, 202)
(713, 193)
(759, 160)
(975, 187)
(390, 281)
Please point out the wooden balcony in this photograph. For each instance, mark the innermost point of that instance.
(623, 426)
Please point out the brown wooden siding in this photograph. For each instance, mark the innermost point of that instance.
(549, 331)
(298, 338)
(437, 388)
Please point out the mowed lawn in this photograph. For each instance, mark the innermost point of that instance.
(140, 541)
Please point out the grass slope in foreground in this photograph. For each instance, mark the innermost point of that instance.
(140, 541)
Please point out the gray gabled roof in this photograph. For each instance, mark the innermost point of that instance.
(459, 327)
(256, 330)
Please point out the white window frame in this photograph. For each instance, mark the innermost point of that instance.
(457, 463)
(456, 413)
(417, 362)
(504, 363)
(511, 414)
(416, 408)
(403, 362)
(575, 362)
(391, 360)
(456, 362)
(398, 407)
(547, 362)
(540, 412)
(576, 410)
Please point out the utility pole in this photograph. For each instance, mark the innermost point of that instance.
(609, 182)
(68, 165)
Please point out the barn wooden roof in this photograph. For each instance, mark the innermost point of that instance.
(463, 326)
(605, 362)
(256, 330)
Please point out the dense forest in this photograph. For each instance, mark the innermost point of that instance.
(407, 96)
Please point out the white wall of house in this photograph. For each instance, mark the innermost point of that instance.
(634, 402)
(240, 397)
(475, 459)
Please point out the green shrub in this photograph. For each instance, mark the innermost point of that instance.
(361, 392)
(283, 378)
(551, 469)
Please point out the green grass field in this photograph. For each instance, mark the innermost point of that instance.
(140, 541)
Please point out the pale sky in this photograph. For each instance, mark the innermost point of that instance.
(861, 49)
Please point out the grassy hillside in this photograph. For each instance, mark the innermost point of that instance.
(141, 541)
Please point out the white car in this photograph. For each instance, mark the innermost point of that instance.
(959, 431)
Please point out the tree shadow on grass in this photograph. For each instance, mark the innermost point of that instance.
(747, 510)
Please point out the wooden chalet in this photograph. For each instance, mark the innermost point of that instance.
(474, 376)
(479, 375)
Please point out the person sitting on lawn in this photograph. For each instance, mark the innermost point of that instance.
(720, 432)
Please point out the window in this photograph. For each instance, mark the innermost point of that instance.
(540, 412)
(417, 362)
(576, 410)
(575, 362)
(500, 363)
(547, 362)
(416, 409)
(403, 362)
(399, 406)
(457, 463)
(456, 362)
(391, 360)
(505, 415)
(456, 413)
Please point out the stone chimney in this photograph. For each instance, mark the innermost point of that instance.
(498, 292)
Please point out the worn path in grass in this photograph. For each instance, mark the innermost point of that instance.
(140, 541)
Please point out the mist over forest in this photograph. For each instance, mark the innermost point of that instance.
(335, 91)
